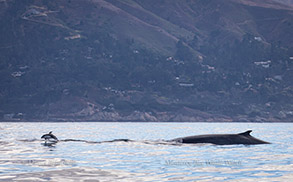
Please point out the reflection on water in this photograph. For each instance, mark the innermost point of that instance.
(91, 151)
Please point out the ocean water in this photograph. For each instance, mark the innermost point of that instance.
(85, 157)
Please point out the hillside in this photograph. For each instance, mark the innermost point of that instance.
(137, 60)
(288, 2)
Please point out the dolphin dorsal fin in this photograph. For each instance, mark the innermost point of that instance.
(246, 133)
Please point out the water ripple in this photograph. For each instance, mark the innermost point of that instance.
(91, 151)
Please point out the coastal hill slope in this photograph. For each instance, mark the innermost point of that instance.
(288, 2)
(136, 60)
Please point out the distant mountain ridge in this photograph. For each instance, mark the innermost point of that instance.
(137, 60)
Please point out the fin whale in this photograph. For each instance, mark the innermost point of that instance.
(222, 139)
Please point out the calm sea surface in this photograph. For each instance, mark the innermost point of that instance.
(25, 157)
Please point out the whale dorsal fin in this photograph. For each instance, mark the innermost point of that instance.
(245, 133)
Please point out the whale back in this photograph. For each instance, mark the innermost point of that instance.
(222, 139)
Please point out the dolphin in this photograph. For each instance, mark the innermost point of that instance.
(50, 136)
(222, 139)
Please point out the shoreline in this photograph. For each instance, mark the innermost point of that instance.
(129, 121)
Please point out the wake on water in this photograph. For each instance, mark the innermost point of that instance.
(152, 142)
